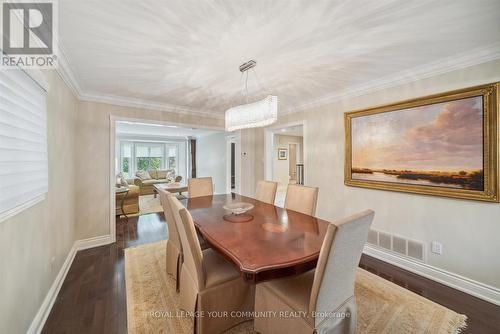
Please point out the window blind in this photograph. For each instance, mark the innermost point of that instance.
(23, 142)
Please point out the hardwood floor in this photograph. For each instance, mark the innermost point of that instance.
(482, 317)
(92, 298)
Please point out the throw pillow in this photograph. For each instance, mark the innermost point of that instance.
(153, 173)
(162, 174)
(143, 175)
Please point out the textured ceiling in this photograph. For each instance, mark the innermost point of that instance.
(186, 52)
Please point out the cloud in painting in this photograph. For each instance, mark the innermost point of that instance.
(441, 137)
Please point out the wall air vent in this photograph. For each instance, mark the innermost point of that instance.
(384, 240)
(416, 250)
(402, 246)
(373, 237)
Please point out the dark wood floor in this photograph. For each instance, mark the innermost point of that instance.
(92, 298)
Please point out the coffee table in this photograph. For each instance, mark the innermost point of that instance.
(174, 187)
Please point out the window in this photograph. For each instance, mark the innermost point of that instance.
(23, 142)
(149, 156)
(126, 159)
(173, 153)
(138, 155)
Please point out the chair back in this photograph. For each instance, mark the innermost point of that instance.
(266, 191)
(301, 199)
(338, 259)
(173, 233)
(191, 249)
(201, 186)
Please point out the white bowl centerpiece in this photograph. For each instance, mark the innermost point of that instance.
(238, 212)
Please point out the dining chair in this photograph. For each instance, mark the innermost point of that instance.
(209, 282)
(266, 191)
(201, 186)
(301, 199)
(323, 297)
(174, 248)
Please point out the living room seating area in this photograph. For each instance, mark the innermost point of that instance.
(145, 180)
(128, 202)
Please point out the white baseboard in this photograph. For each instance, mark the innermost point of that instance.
(474, 288)
(464, 284)
(93, 242)
(44, 310)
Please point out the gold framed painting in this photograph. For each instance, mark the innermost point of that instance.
(282, 154)
(442, 145)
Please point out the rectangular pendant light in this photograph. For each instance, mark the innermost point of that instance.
(253, 115)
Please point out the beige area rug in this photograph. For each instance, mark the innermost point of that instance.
(149, 204)
(383, 307)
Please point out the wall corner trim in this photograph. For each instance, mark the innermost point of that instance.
(477, 289)
(93, 242)
(44, 310)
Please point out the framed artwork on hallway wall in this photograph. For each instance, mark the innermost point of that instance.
(282, 154)
(442, 145)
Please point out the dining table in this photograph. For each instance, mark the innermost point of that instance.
(273, 243)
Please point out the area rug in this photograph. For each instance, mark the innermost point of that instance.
(383, 307)
(149, 204)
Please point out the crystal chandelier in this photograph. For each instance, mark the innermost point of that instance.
(252, 115)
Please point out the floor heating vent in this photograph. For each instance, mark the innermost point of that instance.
(407, 247)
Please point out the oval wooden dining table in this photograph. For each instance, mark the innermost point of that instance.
(276, 243)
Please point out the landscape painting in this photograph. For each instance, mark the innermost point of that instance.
(434, 148)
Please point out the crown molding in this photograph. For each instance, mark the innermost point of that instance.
(145, 104)
(73, 82)
(444, 65)
(69, 77)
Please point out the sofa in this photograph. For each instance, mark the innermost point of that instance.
(146, 180)
(131, 204)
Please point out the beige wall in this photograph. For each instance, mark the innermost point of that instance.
(211, 159)
(252, 159)
(35, 243)
(93, 160)
(468, 230)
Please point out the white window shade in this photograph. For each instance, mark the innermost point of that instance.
(23, 142)
(156, 151)
(253, 115)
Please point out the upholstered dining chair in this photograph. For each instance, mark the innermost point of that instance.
(174, 248)
(266, 191)
(301, 199)
(208, 282)
(324, 296)
(201, 186)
